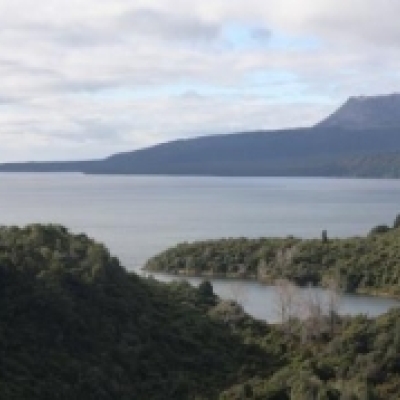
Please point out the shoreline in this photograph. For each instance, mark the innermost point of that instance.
(266, 282)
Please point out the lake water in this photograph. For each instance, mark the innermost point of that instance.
(138, 216)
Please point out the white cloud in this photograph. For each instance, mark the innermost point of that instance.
(168, 26)
(85, 79)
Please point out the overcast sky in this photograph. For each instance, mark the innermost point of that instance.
(87, 78)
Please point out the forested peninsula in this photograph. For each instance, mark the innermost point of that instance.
(369, 264)
(74, 324)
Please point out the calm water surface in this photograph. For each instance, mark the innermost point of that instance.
(138, 216)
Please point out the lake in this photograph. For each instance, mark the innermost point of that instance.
(138, 216)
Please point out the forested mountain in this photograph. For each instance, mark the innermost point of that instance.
(75, 325)
(361, 139)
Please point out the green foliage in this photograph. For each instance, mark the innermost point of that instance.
(368, 264)
(379, 229)
(206, 289)
(358, 362)
(75, 325)
(396, 223)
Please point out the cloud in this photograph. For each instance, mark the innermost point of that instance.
(167, 26)
(104, 128)
(83, 80)
(261, 34)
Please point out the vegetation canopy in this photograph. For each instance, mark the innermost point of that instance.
(75, 325)
(369, 264)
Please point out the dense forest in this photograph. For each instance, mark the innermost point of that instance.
(75, 325)
(368, 264)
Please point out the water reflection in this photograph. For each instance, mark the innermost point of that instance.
(260, 301)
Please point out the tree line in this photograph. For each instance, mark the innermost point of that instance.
(369, 264)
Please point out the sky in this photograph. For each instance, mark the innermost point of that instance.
(86, 79)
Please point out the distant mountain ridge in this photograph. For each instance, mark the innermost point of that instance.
(362, 138)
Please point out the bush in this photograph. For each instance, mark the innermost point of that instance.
(206, 289)
(379, 229)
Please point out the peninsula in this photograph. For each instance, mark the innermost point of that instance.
(367, 264)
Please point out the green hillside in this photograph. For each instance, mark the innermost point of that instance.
(75, 325)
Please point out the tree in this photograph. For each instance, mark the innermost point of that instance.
(312, 308)
(396, 223)
(333, 302)
(379, 229)
(205, 289)
(287, 300)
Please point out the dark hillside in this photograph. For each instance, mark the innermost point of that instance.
(366, 113)
(362, 138)
(75, 325)
(308, 152)
(301, 152)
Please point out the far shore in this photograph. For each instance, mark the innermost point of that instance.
(263, 281)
